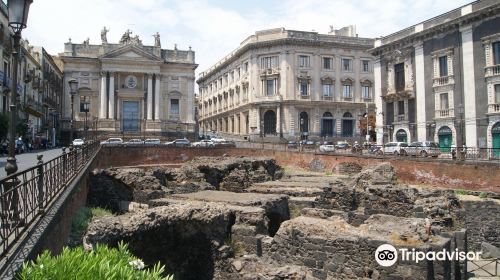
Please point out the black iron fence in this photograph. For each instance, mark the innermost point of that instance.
(25, 195)
(443, 153)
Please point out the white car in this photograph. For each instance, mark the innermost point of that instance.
(78, 142)
(133, 142)
(204, 144)
(218, 140)
(113, 141)
(395, 148)
(152, 142)
(327, 146)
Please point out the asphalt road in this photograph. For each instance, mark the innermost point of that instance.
(27, 160)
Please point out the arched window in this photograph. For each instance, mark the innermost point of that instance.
(347, 115)
(327, 125)
(347, 125)
(270, 122)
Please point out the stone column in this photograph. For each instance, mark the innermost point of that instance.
(157, 97)
(278, 119)
(420, 92)
(111, 96)
(379, 108)
(150, 97)
(103, 107)
(469, 86)
(190, 100)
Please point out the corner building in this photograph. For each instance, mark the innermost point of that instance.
(440, 80)
(289, 84)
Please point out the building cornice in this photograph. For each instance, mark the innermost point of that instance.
(288, 41)
(397, 40)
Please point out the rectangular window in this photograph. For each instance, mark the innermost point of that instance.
(268, 62)
(174, 106)
(245, 67)
(269, 87)
(84, 104)
(327, 63)
(496, 52)
(346, 91)
(366, 92)
(443, 66)
(401, 107)
(346, 64)
(327, 90)
(497, 94)
(366, 67)
(304, 61)
(399, 76)
(443, 98)
(303, 88)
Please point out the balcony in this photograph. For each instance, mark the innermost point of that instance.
(270, 71)
(303, 96)
(327, 97)
(442, 81)
(492, 70)
(173, 116)
(445, 113)
(347, 99)
(494, 108)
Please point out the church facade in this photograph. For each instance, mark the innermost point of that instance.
(128, 89)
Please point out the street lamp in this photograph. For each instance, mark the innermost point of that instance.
(86, 109)
(18, 16)
(73, 88)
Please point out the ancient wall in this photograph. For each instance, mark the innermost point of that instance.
(457, 175)
(482, 219)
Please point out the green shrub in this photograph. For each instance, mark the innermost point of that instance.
(81, 222)
(101, 263)
(100, 212)
(483, 195)
(461, 192)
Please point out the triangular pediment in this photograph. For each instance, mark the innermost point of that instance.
(129, 52)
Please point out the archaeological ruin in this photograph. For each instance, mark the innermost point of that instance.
(242, 217)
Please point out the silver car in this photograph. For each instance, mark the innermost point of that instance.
(152, 142)
(395, 148)
(423, 149)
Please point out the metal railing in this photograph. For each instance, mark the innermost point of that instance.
(25, 195)
(441, 153)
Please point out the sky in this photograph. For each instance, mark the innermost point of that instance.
(213, 28)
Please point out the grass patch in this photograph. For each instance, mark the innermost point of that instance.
(461, 192)
(81, 222)
(328, 173)
(483, 195)
(101, 263)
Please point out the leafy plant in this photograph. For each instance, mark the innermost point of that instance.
(461, 192)
(101, 263)
(81, 221)
(483, 195)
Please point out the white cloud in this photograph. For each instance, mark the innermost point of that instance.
(215, 30)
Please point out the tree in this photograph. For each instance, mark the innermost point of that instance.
(4, 126)
(371, 123)
(22, 128)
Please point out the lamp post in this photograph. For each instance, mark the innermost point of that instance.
(18, 16)
(73, 87)
(86, 128)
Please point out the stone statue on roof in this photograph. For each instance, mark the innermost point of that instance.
(104, 32)
(126, 37)
(157, 40)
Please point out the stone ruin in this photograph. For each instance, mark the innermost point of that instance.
(245, 218)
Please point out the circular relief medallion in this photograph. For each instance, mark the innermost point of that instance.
(131, 81)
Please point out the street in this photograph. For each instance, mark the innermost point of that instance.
(27, 160)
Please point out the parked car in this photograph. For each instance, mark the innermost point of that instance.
(217, 139)
(78, 142)
(112, 141)
(342, 145)
(327, 146)
(203, 144)
(423, 149)
(226, 143)
(134, 142)
(152, 142)
(309, 145)
(292, 145)
(395, 148)
(179, 143)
